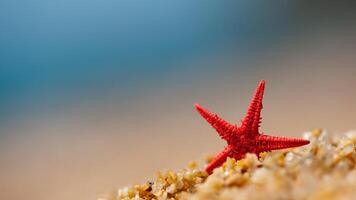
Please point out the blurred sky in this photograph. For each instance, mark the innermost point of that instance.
(98, 94)
(55, 53)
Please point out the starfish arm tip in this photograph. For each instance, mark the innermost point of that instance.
(305, 142)
(198, 107)
(262, 84)
(301, 142)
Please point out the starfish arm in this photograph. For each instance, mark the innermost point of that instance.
(224, 128)
(218, 160)
(257, 117)
(268, 143)
(250, 123)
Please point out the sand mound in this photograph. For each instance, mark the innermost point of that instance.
(324, 169)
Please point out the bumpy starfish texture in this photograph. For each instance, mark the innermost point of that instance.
(245, 138)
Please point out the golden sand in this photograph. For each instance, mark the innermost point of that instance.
(324, 169)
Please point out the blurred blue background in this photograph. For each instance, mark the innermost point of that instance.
(95, 95)
(56, 52)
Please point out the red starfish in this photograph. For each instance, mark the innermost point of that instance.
(246, 138)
